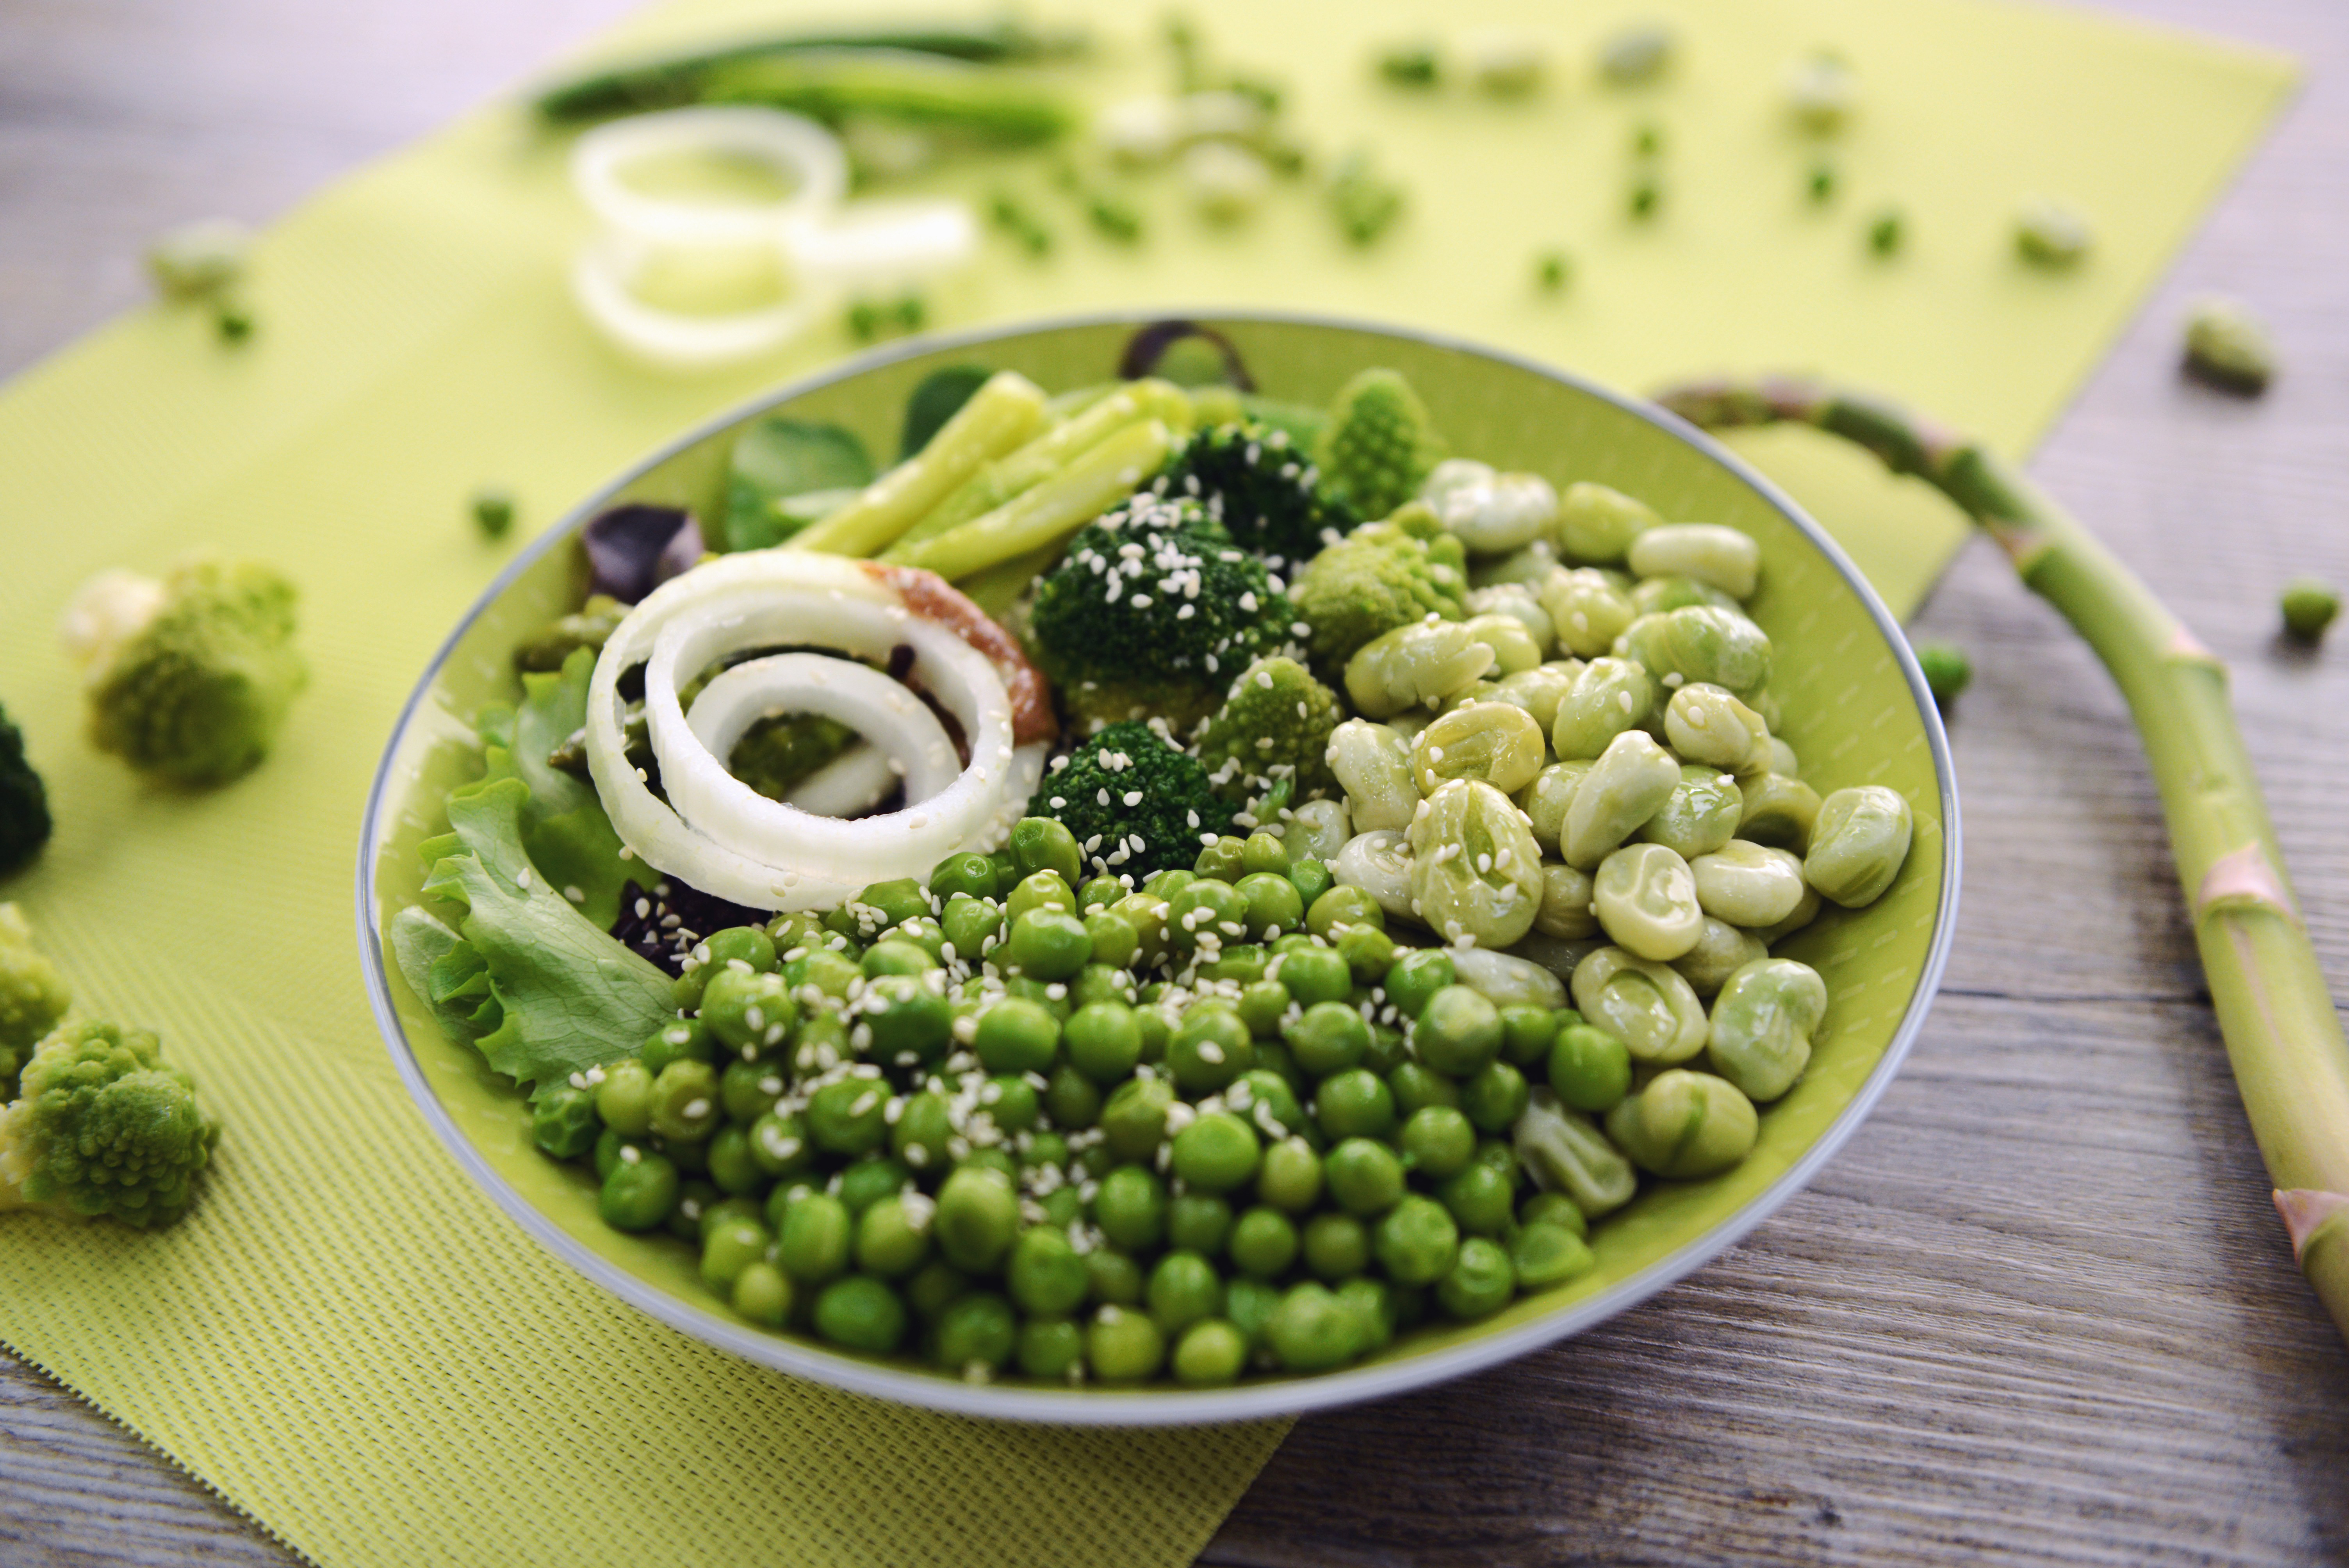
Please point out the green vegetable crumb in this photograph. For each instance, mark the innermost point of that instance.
(1948, 670)
(493, 510)
(2309, 605)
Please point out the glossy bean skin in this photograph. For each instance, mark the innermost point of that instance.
(1379, 864)
(1486, 511)
(1498, 743)
(1701, 815)
(1586, 611)
(1515, 648)
(1418, 666)
(1316, 830)
(1516, 601)
(1598, 524)
(1722, 950)
(1647, 901)
(1728, 560)
(1609, 697)
(1804, 913)
(1373, 765)
(1654, 595)
(1709, 726)
(1858, 843)
(1630, 783)
(1759, 1036)
(1546, 799)
(1507, 981)
(1778, 811)
(1564, 1151)
(1748, 884)
(1684, 1125)
(1566, 910)
(1644, 1003)
(1475, 868)
(1540, 690)
(1699, 644)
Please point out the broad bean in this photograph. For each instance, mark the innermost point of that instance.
(1507, 981)
(1804, 914)
(1647, 901)
(1418, 664)
(1517, 601)
(1783, 759)
(1709, 726)
(1564, 1152)
(1748, 884)
(1546, 799)
(1488, 512)
(1540, 690)
(1566, 910)
(1654, 595)
(1643, 1004)
(1699, 642)
(1684, 1125)
(1609, 697)
(1728, 560)
(1379, 864)
(1778, 810)
(1527, 565)
(1495, 743)
(1586, 611)
(1475, 869)
(1373, 762)
(1760, 1037)
(1598, 524)
(1722, 950)
(1628, 784)
(1857, 844)
(1700, 817)
(1316, 830)
(1515, 649)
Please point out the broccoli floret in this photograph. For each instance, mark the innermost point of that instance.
(104, 1127)
(1151, 610)
(1381, 576)
(1262, 487)
(190, 678)
(1136, 802)
(1275, 724)
(1379, 444)
(24, 804)
(33, 997)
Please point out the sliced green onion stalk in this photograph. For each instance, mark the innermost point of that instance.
(2283, 1037)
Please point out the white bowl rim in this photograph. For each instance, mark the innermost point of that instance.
(1272, 1399)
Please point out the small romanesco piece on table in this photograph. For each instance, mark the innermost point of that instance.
(1135, 802)
(1275, 724)
(104, 1127)
(1381, 576)
(33, 997)
(1380, 445)
(188, 678)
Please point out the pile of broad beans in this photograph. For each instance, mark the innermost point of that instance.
(1266, 1114)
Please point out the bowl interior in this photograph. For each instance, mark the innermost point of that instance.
(1855, 713)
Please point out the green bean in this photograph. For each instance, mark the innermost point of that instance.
(1643, 1004)
(1610, 697)
(1726, 559)
(1778, 810)
(1684, 1125)
(1699, 642)
(1648, 901)
(1546, 799)
(1722, 950)
(1566, 907)
(1858, 844)
(1508, 982)
(1496, 743)
(1475, 869)
(1630, 783)
(1585, 608)
(1701, 815)
(1597, 525)
(1710, 727)
(1760, 1037)
(1748, 884)
(1418, 664)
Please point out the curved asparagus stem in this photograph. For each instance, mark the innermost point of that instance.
(2283, 1036)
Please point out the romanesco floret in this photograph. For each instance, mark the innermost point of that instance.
(24, 822)
(1274, 725)
(1379, 445)
(1262, 487)
(1381, 576)
(33, 997)
(189, 678)
(104, 1127)
(1136, 802)
(1151, 610)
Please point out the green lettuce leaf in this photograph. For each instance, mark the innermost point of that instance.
(564, 826)
(775, 461)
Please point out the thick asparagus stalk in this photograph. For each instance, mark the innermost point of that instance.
(1005, 414)
(2283, 1036)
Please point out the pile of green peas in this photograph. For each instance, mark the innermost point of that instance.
(1215, 1124)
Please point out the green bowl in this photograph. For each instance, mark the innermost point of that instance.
(1856, 711)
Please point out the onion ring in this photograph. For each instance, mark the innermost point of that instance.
(804, 151)
(900, 725)
(857, 781)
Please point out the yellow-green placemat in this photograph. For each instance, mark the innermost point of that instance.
(348, 1342)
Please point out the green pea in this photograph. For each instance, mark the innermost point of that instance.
(1210, 1354)
(1290, 1177)
(1376, 1308)
(1130, 1207)
(1267, 1100)
(891, 957)
(1263, 1242)
(1480, 1198)
(923, 932)
(1310, 877)
(1101, 983)
(1050, 1348)
(1064, 1207)
(1262, 1006)
(1199, 1223)
(1211, 1047)
(756, 1011)
(964, 875)
(1215, 1152)
(909, 1023)
(831, 972)
(1208, 913)
(1335, 1246)
(977, 1217)
(732, 1167)
(1417, 1242)
(1165, 884)
(1364, 1177)
(816, 1239)
(1017, 1036)
(1043, 844)
(861, 1312)
(727, 1250)
(687, 1038)
(762, 1294)
(1112, 1278)
(624, 1100)
(1312, 1331)
(1331, 1037)
(1313, 976)
(998, 1161)
(1493, 1097)
(1133, 1122)
(1047, 944)
(563, 1123)
(748, 1091)
(1342, 909)
(1045, 1275)
(1248, 1306)
(934, 1287)
(973, 926)
(1184, 1290)
(1527, 1033)
(1039, 891)
(1438, 1142)
(1416, 978)
(1356, 1103)
(1458, 1031)
(1684, 1125)
(1273, 903)
(1072, 1099)
(1590, 1068)
(1221, 861)
(1115, 938)
(923, 1128)
(890, 1240)
(1415, 1087)
(1104, 1041)
(849, 1116)
(1545, 1254)
(976, 1333)
(1243, 964)
(1012, 1103)
(1123, 1346)
(1480, 1284)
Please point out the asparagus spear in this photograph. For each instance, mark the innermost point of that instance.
(1051, 511)
(669, 80)
(1006, 412)
(2283, 1037)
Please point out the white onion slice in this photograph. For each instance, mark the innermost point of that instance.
(805, 154)
(899, 723)
(603, 281)
(873, 247)
(854, 782)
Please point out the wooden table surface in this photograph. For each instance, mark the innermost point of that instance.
(2040, 1308)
